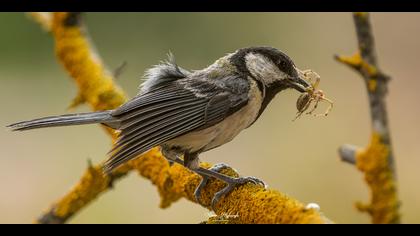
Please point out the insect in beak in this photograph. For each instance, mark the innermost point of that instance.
(311, 95)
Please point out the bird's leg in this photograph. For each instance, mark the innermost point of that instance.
(170, 154)
(205, 179)
(206, 174)
(232, 182)
(191, 160)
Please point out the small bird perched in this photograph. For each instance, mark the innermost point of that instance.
(187, 113)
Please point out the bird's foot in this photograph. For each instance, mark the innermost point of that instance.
(205, 179)
(231, 182)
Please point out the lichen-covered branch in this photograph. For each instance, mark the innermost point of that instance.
(248, 203)
(97, 88)
(376, 161)
(73, 49)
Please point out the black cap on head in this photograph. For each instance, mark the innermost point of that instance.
(279, 58)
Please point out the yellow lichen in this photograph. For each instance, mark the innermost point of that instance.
(354, 61)
(372, 85)
(373, 162)
(96, 85)
(222, 219)
(357, 62)
(250, 203)
(91, 183)
(362, 15)
(370, 69)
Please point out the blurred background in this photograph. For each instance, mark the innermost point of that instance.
(298, 158)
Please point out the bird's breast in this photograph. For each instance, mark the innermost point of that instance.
(224, 131)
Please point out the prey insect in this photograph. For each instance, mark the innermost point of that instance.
(312, 95)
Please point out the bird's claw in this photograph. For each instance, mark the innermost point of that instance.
(232, 182)
(197, 192)
(205, 179)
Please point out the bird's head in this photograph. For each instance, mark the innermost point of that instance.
(270, 67)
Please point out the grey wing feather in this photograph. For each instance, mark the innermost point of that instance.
(66, 120)
(157, 77)
(162, 74)
(170, 111)
(149, 98)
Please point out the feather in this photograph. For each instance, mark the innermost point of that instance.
(161, 135)
(150, 127)
(65, 120)
(165, 94)
(162, 74)
(174, 109)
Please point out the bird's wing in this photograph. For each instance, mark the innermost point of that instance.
(173, 110)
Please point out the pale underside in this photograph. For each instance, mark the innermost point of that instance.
(225, 131)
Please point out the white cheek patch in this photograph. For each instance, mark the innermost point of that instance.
(263, 68)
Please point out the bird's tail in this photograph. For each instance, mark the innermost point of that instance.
(65, 120)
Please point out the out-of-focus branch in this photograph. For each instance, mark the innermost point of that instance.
(42, 18)
(376, 161)
(74, 51)
(248, 203)
(97, 88)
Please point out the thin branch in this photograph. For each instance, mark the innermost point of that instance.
(75, 52)
(248, 203)
(348, 153)
(42, 18)
(376, 161)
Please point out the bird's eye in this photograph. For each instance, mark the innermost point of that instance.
(283, 64)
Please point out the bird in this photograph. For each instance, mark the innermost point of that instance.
(186, 113)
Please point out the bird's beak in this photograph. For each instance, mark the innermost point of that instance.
(299, 82)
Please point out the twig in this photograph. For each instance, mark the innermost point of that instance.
(119, 70)
(250, 203)
(42, 18)
(376, 161)
(348, 153)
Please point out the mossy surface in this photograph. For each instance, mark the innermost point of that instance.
(373, 162)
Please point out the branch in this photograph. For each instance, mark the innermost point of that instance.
(248, 203)
(42, 18)
(376, 161)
